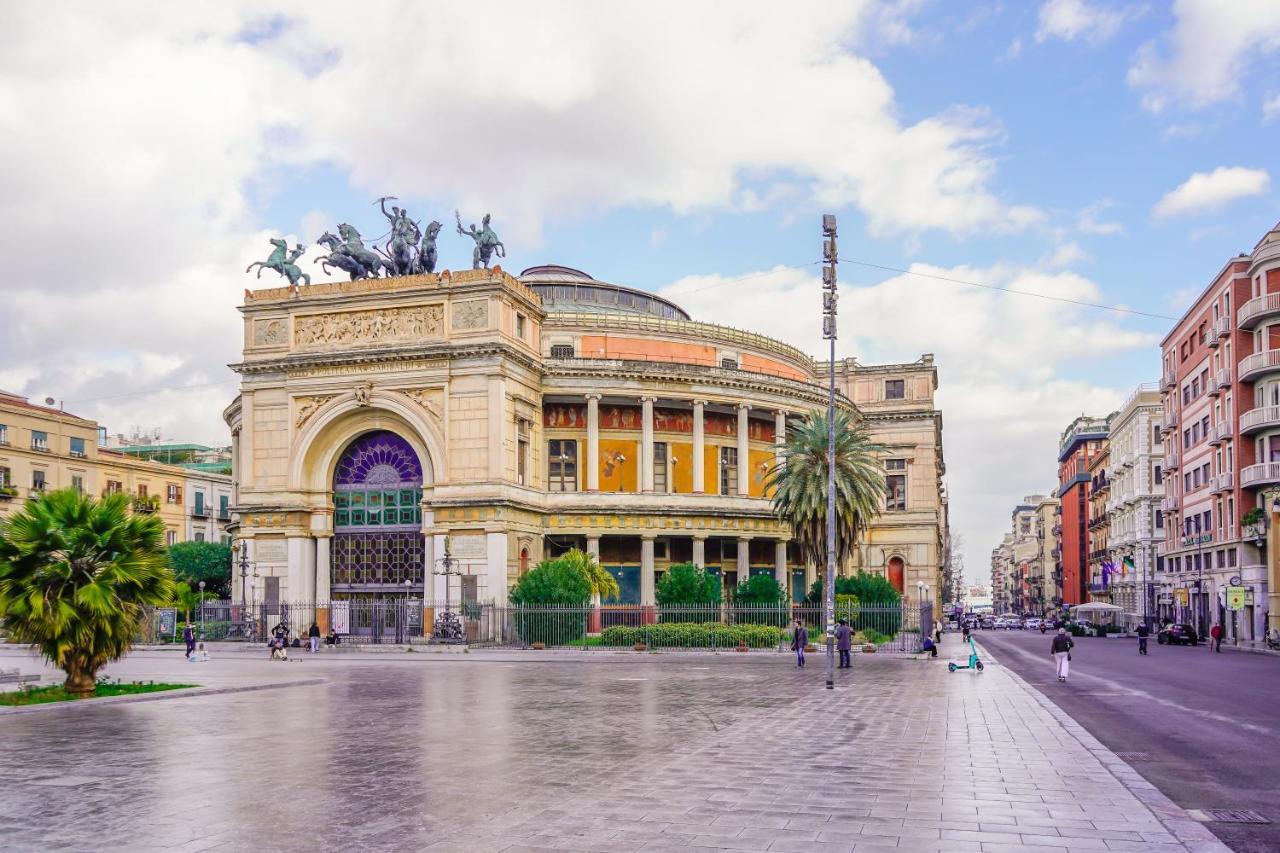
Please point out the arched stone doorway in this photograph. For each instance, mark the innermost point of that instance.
(377, 531)
(897, 574)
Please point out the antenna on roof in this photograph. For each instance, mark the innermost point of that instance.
(49, 401)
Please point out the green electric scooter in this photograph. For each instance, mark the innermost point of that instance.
(974, 662)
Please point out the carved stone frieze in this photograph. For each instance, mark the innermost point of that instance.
(430, 399)
(384, 325)
(307, 406)
(270, 333)
(471, 315)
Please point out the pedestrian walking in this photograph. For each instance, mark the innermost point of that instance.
(1215, 636)
(937, 632)
(189, 637)
(1061, 653)
(799, 639)
(314, 635)
(965, 636)
(844, 642)
(1143, 633)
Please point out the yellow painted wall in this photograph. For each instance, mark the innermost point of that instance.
(759, 460)
(618, 465)
(682, 470)
(711, 469)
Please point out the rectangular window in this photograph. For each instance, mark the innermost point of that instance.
(520, 326)
(199, 536)
(895, 482)
(77, 483)
(895, 389)
(562, 465)
(114, 487)
(729, 363)
(4, 434)
(39, 440)
(223, 511)
(37, 480)
(522, 452)
(142, 491)
(1159, 475)
(199, 505)
(6, 477)
(562, 350)
(1159, 520)
(173, 494)
(728, 470)
(77, 447)
(660, 466)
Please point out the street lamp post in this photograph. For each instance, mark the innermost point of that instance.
(408, 591)
(201, 585)
(245, 566)
(830, 295)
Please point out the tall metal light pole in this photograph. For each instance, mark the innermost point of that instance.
(829, 297)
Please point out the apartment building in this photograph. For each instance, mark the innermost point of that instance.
(1221, 394)
(1046, 586)
(1001, 569)
(1099, 493)
(1082, 440)
(209, 500)
(1135, 477)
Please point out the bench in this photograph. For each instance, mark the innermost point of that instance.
(12, 676)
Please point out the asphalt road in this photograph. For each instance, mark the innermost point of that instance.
(1204, 725)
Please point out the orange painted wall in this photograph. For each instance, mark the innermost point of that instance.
(760, 460)
(756, 364)
(645, 349)
(618, 465)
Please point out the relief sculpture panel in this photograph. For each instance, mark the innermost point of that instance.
(386, 325)
(270, 333)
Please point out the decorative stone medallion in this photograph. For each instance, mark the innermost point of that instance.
(471, 315)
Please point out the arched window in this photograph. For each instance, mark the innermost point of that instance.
(524, 560)
(897, 574)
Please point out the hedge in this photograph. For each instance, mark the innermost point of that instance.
(692, 635)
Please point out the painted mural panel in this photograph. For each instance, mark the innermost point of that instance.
(758, 430)
(618, 465)
(681, 467)
(672, 420)
(564, 416)
(715, 423)
(621, 417)
(760, 461)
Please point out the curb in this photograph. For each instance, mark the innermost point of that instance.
(99, 701)
(1181, 825)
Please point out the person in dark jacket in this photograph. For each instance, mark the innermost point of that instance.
(1061, 653)
(844, 642)
(799, 639)
(189, 637)
(1144, 631)
(1215, 636)
(314, 634)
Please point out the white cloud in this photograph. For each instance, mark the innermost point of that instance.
(1065, 255)
(1072, 20)
(133, 177)
(1014, 50)
(1206, 55)
(1206, 192)
(1271, 109)
(1088, 221)
(1008, 365)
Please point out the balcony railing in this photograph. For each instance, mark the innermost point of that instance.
(1221, 328)
(1253, 366)
(199, 512)
(1224, 482)
(1169, 380)
(1170, 459)
(1222, 378)
(1262, 474)
(1255, 310)
(1259, 419)
(1170, 503)
(1220, 432)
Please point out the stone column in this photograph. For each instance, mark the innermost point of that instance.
(780, 566)
(700, 551)
(593, 547)
(780, 433)
(593, 442)
(323, 577)
(300, 572)
(594, 622)
(1273, 571)
(497, 427)
(698, 449)
(646, 444)
(744, 558)
(647, 580)
(744, 465)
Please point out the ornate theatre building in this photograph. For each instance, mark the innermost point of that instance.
(515, 418)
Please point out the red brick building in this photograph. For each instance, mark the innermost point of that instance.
(1083, 440)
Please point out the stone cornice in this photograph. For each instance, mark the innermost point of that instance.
(366, 357)
(445, 283)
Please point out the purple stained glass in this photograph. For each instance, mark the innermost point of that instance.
(379, 459)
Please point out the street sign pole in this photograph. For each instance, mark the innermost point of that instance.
(830, 256)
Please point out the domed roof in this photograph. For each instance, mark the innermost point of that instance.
(569, 290)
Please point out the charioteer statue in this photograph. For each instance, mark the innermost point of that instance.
(487, 242)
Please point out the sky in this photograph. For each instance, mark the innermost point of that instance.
(1112, 153)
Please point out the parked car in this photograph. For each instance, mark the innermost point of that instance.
(986, 622)
(1032, 624)
(1178, 633)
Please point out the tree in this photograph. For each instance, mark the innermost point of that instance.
(203, 561)
(552, 582)
(603, 585)
(187, 599)
(868, 588)
(76, 577)
(759, 590)
(685, 584)
(799, 484)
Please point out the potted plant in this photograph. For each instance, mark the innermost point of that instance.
(537, 646)
(7, 492)
(639, 647)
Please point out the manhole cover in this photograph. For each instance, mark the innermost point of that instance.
(1134, 756)
(1228, 816)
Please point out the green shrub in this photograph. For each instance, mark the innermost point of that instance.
(690, 635)
(551, 602)
(871, 635)
(203, 561)
(686, 585)
(759, 590)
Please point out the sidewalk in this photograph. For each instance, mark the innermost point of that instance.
(904, 757)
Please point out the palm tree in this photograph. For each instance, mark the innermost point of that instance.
(76, 575)
(602, 583)
(187, 599)
(799, 484)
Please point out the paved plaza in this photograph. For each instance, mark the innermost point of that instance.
(489, 752)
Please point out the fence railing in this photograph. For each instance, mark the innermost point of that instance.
(892, 628)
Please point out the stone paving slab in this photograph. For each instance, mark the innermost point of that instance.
(683, 753)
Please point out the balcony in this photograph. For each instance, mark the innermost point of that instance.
(40, 446)
(1259, 419)
(1095, 523)
(1262, 474)
(1169, 504)
(1224, 482)
(1171, 459)
(200, 512)
(1057, 530)
(1222, 378)
(1221, 329)
(8, 493)
(1220, 432)
(1169, 380)
(1256, 310)
(1259, 364)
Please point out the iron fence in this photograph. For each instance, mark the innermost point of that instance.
(890, 628)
